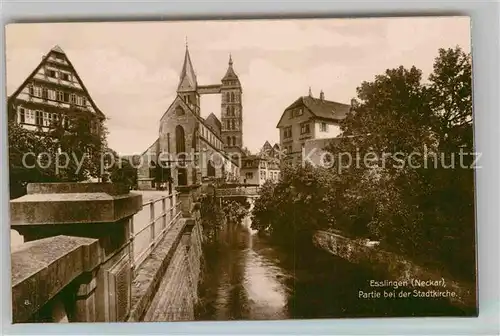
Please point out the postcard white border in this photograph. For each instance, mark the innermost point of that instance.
(486, 55)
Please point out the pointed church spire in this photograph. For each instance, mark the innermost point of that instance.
(310, 92)
(187, 81)
(230, 74)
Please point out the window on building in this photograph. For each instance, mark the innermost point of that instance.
(232, 124)
(304, 128)
(22, 115)
(59, 56)
(249, 176)
(50, 73)
(232, 96)
(234, 141)
(66, 97)
(288, 132)
(262, 174)
(84, 101)
(29, 116)
(168, 142)
(180, 140)
(37, 91)
(60, 96)
(73, 98)
(323, 127)
(46, 119)
(52, 94)
(54, 118)
(229, 141)
(64, 76)
(228, 97)
(45, 93)
(38, 118)
(31, 90)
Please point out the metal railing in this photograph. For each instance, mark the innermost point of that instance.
(152, 223)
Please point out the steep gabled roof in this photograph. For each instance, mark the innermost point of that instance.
(267, 145)
(187, 82)
(320, 108)
(57, 49)
(214, 123)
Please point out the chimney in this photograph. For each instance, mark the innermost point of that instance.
(322, 95)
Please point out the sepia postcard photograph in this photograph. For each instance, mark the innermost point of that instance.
(241, 169)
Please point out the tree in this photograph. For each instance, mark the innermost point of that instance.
(423, 210)
(124, 173)
(292, 209)
(391, 179)
(70, 151)
(28, 155)
(81, 139)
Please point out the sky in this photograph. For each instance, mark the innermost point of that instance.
(131, 69)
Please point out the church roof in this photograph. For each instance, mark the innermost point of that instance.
(187, 80)
(214, 123)
(230, 74)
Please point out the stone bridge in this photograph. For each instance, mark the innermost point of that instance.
(250, 192)
(95, 252)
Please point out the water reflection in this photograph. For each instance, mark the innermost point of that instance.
(247, 278)
(242, 280)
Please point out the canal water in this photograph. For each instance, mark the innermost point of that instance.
(246, 277)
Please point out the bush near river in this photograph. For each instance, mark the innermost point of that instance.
(424, 211)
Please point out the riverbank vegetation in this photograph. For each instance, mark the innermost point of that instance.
(216, 213)
(409, 183)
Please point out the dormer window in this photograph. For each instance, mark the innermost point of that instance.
(296, 113)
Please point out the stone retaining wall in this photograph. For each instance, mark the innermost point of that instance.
(177, 294)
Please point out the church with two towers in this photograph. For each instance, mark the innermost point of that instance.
(189, 147)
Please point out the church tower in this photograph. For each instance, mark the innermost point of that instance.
(188, 86)
(231, 109)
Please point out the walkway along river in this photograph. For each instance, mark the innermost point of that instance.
(247, 278)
